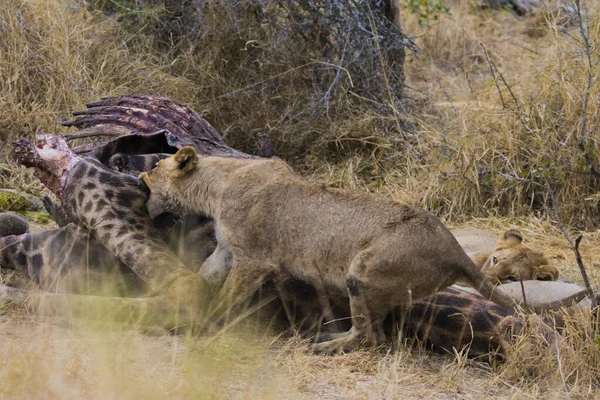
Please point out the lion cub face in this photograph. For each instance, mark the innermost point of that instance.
(167, 179)
(513, 261)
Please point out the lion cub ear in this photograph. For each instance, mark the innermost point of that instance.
(185, 160)
(511, 237)
(545, 273)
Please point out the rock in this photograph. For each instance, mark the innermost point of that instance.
(474, 240)
(12, 224)
(537, 292)
(14, 200)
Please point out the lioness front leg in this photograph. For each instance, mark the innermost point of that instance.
(244, 280)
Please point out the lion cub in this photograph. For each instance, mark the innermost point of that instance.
(375, 250)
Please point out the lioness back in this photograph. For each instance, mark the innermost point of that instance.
(316, 231)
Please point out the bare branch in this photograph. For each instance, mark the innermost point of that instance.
(487, 57)
(523, 292)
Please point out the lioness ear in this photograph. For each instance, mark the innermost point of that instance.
(546, 273)
(185, 160)
(511, 237)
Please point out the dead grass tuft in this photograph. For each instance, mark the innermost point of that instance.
(505, 116)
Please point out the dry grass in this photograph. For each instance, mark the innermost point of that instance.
(455, 150)
(497, 157)
(56, 55)
(43, 360)
(459, 150)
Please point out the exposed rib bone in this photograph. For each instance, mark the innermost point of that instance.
(144, 115)
(99, 130)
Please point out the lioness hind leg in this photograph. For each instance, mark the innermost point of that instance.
(367, 313)
(366, 324)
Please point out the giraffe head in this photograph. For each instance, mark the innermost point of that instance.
(51, 158)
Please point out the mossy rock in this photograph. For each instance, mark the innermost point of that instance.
(13, 200)
(39, 217)
(12, 224)
(25, 204)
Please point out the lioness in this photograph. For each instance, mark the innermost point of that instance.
(512, 261)
(380, 252)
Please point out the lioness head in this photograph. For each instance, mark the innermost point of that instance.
(513, 261)
(167, 179)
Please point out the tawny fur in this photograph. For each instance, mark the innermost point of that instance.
(512, 261)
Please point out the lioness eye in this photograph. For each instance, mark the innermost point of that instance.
(494, 260)
(511, 278)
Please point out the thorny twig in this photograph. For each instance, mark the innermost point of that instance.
(494, 70)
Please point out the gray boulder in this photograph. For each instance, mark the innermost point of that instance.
(12, 224)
